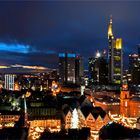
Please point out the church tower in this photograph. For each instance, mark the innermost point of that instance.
(25, 113)
(124, 100)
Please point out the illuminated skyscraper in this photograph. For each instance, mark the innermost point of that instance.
(110, 43)
(115, 58)
(98, 69)
(79, 69)
(134, 68)
(70, 68)
(9, 81)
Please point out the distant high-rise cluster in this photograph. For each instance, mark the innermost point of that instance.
(70, 68)
(132, 75)
(107, 70)
(103, 68)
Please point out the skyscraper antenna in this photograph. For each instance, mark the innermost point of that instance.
(111, 19)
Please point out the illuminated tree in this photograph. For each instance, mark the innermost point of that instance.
(75, 119)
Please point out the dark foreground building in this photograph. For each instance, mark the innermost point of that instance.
(117, 131)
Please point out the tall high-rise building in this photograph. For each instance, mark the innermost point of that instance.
(91, 73)
(115, 57)
(134, 68)
(79, 69)
(98, 69)
(9, 81)
(70, 68)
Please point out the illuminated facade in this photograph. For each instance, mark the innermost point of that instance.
(127, 76)
(42, 118)
(16, 86)
(134, 68)
(129, 105)
(38, 126)
(124, 100)
(98, 69)
(91, 62)
(70, 68)
(9, 82)
(55, 88)
(88, 120)
(7, 119)
(138, 124)
(115, 57)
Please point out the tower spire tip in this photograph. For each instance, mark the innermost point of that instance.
(111, 18)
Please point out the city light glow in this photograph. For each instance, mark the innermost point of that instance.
(125, 121)
(98, 54)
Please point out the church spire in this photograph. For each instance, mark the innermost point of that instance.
(110, 32)
(25, 112)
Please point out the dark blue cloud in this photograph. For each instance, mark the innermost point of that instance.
(50, 27)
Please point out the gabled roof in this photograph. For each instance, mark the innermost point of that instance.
(86, 110)
(95, 111)
(81, 99)
(84, 101)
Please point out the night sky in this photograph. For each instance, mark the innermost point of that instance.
(33, 33)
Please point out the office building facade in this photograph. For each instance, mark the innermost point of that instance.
(98, 69)
(134, 68)
(70, 68)
(9, 81)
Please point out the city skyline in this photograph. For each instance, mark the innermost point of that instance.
(34, 33)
